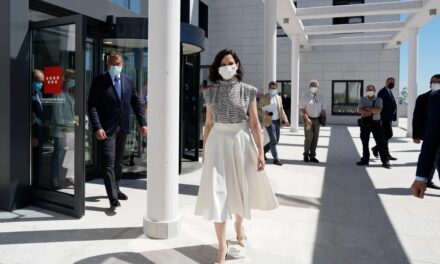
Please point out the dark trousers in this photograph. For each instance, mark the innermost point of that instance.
(58, 155)
(287, 112)
(378, 134)
(111, 151)
(274, 134)
(311, 136)
(387, 127)
(436, 165)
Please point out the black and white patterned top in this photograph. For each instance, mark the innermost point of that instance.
(230, 100)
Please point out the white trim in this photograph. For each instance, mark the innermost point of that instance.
(386, 8)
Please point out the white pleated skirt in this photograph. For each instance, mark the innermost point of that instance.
(231, 183)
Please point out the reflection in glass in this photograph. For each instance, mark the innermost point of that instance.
(53, 108)
(135, 56)
(88, 133)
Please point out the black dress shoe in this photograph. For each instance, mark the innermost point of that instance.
(391, 158)
(277, 162)
(386, 165)
(114, 204)
(306, 159)
(362, 163)
(375, 152)
(314, 160)
(432, 186)
(122, 196)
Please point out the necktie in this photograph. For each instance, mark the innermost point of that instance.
(118, 86)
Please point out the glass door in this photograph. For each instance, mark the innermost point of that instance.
(57, 87)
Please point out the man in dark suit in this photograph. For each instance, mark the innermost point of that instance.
(111, 95)
(430, 146)
(420, 118)
(388, 114)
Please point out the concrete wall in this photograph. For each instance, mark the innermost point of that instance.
(239, 25)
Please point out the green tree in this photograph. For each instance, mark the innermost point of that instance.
(403, 98)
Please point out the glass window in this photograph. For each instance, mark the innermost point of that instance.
(345, 97)
(184, 11)
(133, 5)
(348, 20)
(203, 17)
(53, 108)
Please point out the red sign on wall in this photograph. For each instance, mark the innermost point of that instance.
(52, 80)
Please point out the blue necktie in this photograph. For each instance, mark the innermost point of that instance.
(118, 86)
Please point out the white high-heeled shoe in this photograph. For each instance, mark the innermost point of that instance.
(241, 241)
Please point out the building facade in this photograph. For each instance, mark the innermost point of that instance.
(48, 149)
(342, 70)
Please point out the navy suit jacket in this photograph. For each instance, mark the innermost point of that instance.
(420, 116)
(431, 139)
(107, 111)
(389, 110)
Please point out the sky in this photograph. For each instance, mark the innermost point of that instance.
(429, 56)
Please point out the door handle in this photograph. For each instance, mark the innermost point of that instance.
(76, 120)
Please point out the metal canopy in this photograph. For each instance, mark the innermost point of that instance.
(392, 34)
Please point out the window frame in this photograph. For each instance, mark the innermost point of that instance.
(346, 96)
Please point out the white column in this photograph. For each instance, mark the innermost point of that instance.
(413, 68)
(162, 218)
(270, 43)
(294, 83)
(194, 12)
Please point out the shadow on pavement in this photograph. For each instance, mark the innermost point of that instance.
(199, 254)
(298, 201)
(49, 236)
(401, 191)
(353, 226)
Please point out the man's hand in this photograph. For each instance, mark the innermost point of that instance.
(416, 140)
(144, 131)
(100, 134)
(418, 189)
(287, 124)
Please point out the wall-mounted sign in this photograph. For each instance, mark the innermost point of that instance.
(52, 80)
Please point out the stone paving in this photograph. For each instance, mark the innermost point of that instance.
(332, 212)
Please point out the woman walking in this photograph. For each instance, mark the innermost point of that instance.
(233, 178)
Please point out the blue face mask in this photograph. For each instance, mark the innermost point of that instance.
(70, 83)
(37, 86)
(115, 70)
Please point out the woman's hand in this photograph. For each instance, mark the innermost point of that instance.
(260, 162)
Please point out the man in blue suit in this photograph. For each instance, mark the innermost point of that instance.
(111, 96)
(388, 114)
(420, 118)
(430, 146)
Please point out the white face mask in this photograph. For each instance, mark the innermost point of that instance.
(435, 86)
(273, 92)
(228, 72)
(313, 89)
(370, 93)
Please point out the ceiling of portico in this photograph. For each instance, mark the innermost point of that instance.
(308, 23)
